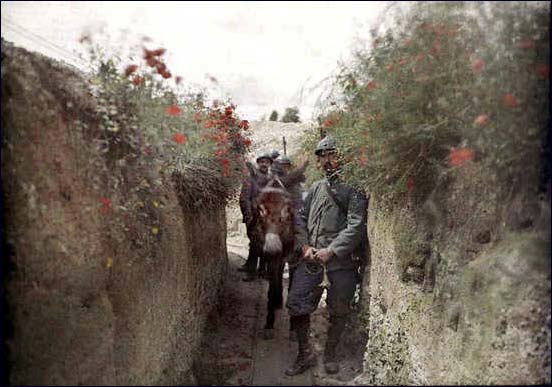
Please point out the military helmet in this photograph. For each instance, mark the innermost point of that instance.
(283, 160)
(264, 155)
(326, 144)
(274, 154)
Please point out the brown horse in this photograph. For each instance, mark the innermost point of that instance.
(276, 206)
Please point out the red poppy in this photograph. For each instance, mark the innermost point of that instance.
(247, 142)
(106, 205)
(410, 184)
(225, 167)
(403, 61)
(173, 110)
(244, 124)
(389, 67)
(137, 80)
(371, 85)
(509, 100)
(526, 44)
(161, 67)
(478, 65)
(158, 52)
(166, 74)
(327, 123)
(179, 138)
(481, 120)
(543, 71)
(197, 116)
(130, 69)
(152, 62)
(228, 110)
(458, 156)
(178, 79)
(148, 54)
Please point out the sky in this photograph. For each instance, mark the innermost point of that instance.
(261, 53)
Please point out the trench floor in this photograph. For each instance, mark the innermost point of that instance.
(234, 352)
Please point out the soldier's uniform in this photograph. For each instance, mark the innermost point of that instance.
(333, 217)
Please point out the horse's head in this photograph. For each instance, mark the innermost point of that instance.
(275, 215)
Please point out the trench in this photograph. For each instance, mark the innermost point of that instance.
(233, 351)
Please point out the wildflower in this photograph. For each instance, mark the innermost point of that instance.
(458, 156)
(173, 110)
(526, 44)
(371, 85)
(478, 65)
(410, 184)
(106, 205)
(179, 138)
(327, 123)
(158, 52)
(509, 100)
(154, 230)
(543, 71)
(481, 120)
(247, 142)
(130, 69)
(244, 124)
(137, 80)
(389, 67)
(161, 67)
(178, 79)
(166, 74)
(403, 61)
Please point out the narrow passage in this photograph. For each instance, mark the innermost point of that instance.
(233, 351)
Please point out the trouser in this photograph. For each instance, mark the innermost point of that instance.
(304, 296)
(254, 251)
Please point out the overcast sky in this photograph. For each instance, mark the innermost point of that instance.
(262, 53)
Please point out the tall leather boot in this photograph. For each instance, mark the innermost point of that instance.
(337, 326)
(306, 357)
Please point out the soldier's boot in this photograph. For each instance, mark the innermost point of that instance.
(306, 357)
(337, 325)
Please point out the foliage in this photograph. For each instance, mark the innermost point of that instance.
(166, 128)
(273, 116)
(291, 114)
(450, 83)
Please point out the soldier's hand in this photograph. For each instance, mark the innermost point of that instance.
(308, 252)
(324, 255)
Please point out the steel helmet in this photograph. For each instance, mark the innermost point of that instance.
(326, 144)
(264, 155)
(274, 154)
(283, 160)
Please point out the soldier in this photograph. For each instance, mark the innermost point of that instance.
(330, 227)
(250, 191)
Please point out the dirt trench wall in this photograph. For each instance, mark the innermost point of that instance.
(98, 292)
(461, 295)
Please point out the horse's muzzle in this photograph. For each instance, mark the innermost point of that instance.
(272, 245)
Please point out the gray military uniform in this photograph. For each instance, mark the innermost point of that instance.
(337, 222)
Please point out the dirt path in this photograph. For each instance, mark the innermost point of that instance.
(234, 352)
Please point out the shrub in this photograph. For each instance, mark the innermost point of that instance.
(273, 116)
(171, 129)
(291, 115)
(448, 84)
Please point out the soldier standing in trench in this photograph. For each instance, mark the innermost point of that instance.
(331, 225)
(249, 192)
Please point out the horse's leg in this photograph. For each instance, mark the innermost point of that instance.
(275, 300)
